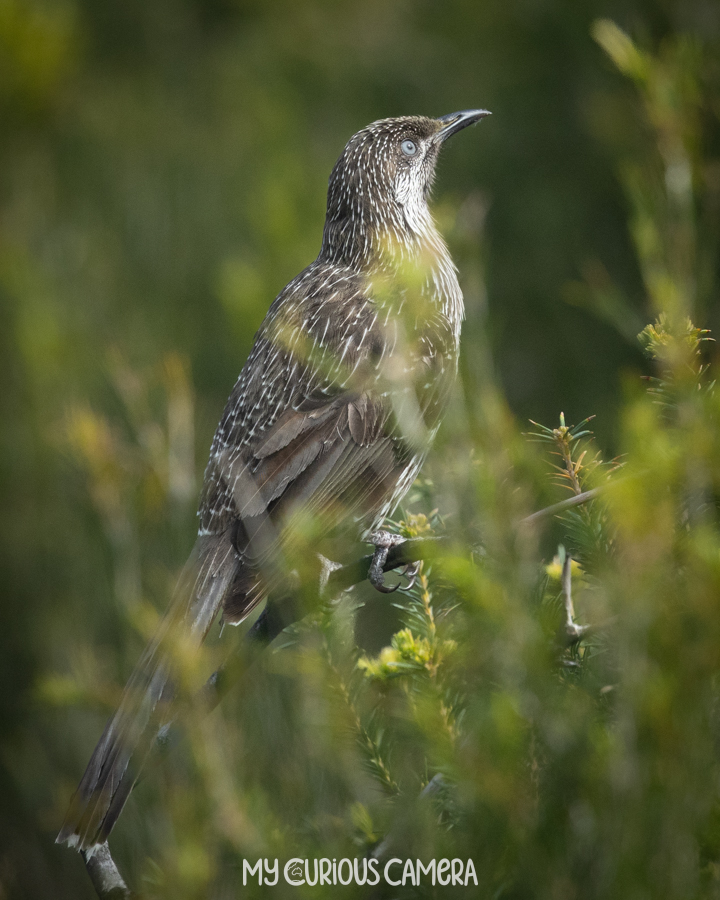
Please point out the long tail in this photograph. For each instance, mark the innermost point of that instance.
(129, 736)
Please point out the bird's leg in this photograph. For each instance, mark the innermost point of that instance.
(383, 541)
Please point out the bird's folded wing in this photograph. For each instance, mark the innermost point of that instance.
(337, 462)
(317, 460)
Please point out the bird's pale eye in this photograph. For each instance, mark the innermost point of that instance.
(409, 148)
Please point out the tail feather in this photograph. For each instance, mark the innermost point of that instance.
(145, 707)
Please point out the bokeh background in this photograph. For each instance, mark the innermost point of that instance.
(163, 168)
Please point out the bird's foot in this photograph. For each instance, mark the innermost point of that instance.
(384, 541)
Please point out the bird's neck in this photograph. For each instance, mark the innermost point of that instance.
(367, 243)
(405, 248)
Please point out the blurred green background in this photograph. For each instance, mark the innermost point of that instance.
(163, 168)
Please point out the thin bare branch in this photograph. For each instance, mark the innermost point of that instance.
(573, 632)
(577, 500)
(104, 874)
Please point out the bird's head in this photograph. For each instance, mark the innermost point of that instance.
(380, 184)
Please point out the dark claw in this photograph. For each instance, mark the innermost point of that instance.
(383, 588)
(411, 571)
(384, 541)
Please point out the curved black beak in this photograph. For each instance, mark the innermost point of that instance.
(454, 122)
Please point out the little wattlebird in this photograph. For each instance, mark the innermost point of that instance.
(330, 419)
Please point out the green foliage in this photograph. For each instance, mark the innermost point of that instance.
(162, 175)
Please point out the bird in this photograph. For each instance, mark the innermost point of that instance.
(330, 421)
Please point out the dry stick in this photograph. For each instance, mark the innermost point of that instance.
(577, 500)
(573, 632)
(102, 870)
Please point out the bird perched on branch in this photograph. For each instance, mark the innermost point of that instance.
(329, 421)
